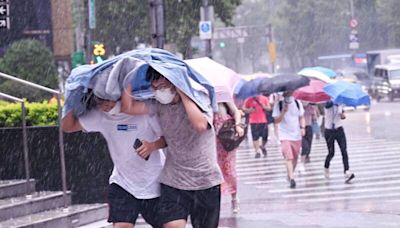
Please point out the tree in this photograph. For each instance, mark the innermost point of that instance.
(32, 61)
(125, 23)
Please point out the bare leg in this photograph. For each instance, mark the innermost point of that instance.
(181, 223)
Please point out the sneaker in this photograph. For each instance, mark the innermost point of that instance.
(258, 155)
(349, 176)
(326, 173)
(235, 206)
(292, 183)
(302, 168)
(264, 151)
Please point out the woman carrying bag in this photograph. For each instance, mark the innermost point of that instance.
(228, 113)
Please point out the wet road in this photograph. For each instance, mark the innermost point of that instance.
(371, 200)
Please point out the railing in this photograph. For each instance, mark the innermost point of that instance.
(60, 131)
(24, 137)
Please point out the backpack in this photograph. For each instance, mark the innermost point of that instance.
(281, 105)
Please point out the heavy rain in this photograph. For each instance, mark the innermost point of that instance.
(199, 113)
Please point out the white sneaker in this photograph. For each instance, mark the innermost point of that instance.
(302, 168)
(235, 206)
(326, 173)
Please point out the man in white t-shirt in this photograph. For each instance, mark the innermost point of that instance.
(134, 182)
(289, 114)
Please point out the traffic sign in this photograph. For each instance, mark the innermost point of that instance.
(5, 23)
(3, 10)
(205, 30)
(354, 45)
(353, 23)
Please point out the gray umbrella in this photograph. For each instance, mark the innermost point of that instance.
(283, 82)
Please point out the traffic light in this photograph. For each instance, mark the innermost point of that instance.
(222, 44)
(99, 52)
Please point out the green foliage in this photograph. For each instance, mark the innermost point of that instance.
(32, 61)
(123, 24)
(37, 114)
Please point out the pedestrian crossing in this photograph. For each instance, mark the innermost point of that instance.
(375, 162)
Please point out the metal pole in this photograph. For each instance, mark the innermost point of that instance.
(160, 23)
(271, 40)
(208, 51)
(13, 78)
(61, 136)
(62, 155)
(352, 9)
(153, 23)
(25, 144)
(24, 137)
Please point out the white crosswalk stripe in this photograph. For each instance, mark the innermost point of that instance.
(375, 162)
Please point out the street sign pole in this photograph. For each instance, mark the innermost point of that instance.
(207, 17)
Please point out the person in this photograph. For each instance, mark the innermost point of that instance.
(191, 178)
(310, 116)
(134, 183)
(334, 114)
(256, 107)
(274, 98)
(289, 113)
(227, 159)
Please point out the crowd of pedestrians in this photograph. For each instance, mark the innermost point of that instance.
(169, 164)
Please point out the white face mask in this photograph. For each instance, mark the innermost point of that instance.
(116, 109)
(289, 99)
(164, 95)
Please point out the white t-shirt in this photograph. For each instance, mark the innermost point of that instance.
(134, 174)
(289, 127)
(332, 117)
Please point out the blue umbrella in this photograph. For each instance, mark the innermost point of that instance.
(347, 93)
(245, 89)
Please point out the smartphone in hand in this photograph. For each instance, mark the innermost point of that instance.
(138, 144)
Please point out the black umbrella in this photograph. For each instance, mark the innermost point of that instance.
(283, 82)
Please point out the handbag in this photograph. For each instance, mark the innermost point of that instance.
(228, 136)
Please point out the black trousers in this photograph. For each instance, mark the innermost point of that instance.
(306, 141)
(330, 136)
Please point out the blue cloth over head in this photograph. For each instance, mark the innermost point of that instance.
(166, 63)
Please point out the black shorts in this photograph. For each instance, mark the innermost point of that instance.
(259, 130)
(124, 207)
(203, 206)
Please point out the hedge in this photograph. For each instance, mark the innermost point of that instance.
(37, 114)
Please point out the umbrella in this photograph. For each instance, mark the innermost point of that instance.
(249, 77)
(221, 77)
(312, 93)
(321, 73)
(250, 88)
(283, 82)
(347, 93)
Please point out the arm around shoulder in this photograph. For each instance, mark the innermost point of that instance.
(70, 123)
(130, 105)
